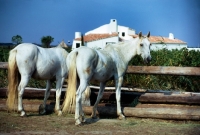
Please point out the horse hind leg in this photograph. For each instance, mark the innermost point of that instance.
(100, 94)
(21, 87)
(59, 84)
(81, 117)
(79, 114)
(42, 107)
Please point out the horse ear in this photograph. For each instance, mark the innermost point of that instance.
(140, 34)
(148, 35)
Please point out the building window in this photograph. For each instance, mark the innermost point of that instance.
(123, 34)
(110, 43)
(78, 45)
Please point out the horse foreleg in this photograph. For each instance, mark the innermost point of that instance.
(118, 85)
(58, 94)
(21, 87)
(100, 94)
(42, 108)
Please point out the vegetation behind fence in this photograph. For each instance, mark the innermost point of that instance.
(164, 57)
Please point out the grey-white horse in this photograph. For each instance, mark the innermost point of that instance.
(85, 64)
(28, 60)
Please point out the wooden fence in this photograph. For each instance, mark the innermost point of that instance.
(165, 70)
(153, 104)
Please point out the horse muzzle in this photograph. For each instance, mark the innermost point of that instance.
(147, 60)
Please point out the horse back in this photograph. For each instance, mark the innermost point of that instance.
(94, 64)
(51, 63)
(40, 63)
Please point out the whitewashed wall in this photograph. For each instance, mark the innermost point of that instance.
(167, 46)
(195, 49)
(74, 44)
(100, 30)
(127, 32)
(101, 43)
(107, 28)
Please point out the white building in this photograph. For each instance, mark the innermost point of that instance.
(114, 33)
(169, 43)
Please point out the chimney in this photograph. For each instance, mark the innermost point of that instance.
(113, 25)
(171, 36)
(77, 35)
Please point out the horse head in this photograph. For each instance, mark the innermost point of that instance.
(143, 47)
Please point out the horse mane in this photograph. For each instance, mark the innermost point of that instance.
(119, 44)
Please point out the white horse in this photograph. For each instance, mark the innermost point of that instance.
(89, 64)
(30, 60)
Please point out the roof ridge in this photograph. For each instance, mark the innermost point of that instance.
(97, 36)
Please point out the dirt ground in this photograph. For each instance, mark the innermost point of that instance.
(33, 124)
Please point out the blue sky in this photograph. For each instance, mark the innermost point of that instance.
(60, 19)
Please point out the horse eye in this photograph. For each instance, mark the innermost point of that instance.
(150, 45)
(141, 44)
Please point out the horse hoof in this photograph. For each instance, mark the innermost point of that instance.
(83, 120)
(94, 117)
(122, 117)
(79, 123)
(23, 114)
(59, 113)
(42, 110)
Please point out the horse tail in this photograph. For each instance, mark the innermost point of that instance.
(13, 81)
(70, 95)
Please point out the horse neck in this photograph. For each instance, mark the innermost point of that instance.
(127, 50)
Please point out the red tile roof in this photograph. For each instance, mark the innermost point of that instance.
(159, 39)
(153, 39)
(93, 37)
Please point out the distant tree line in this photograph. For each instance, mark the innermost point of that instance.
(45, 40)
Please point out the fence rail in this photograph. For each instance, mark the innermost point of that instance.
(165, 70)
(3, 65)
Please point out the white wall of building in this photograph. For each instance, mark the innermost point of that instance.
(167, 46)
(100, 30)
(75, 43)
(107, 28)
(125, 32)
(102, 43)
(195, 49)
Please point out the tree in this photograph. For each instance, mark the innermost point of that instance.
(46, 41)
(17, 39)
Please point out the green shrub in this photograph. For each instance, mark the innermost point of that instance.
(4, 52)
(182, 58)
